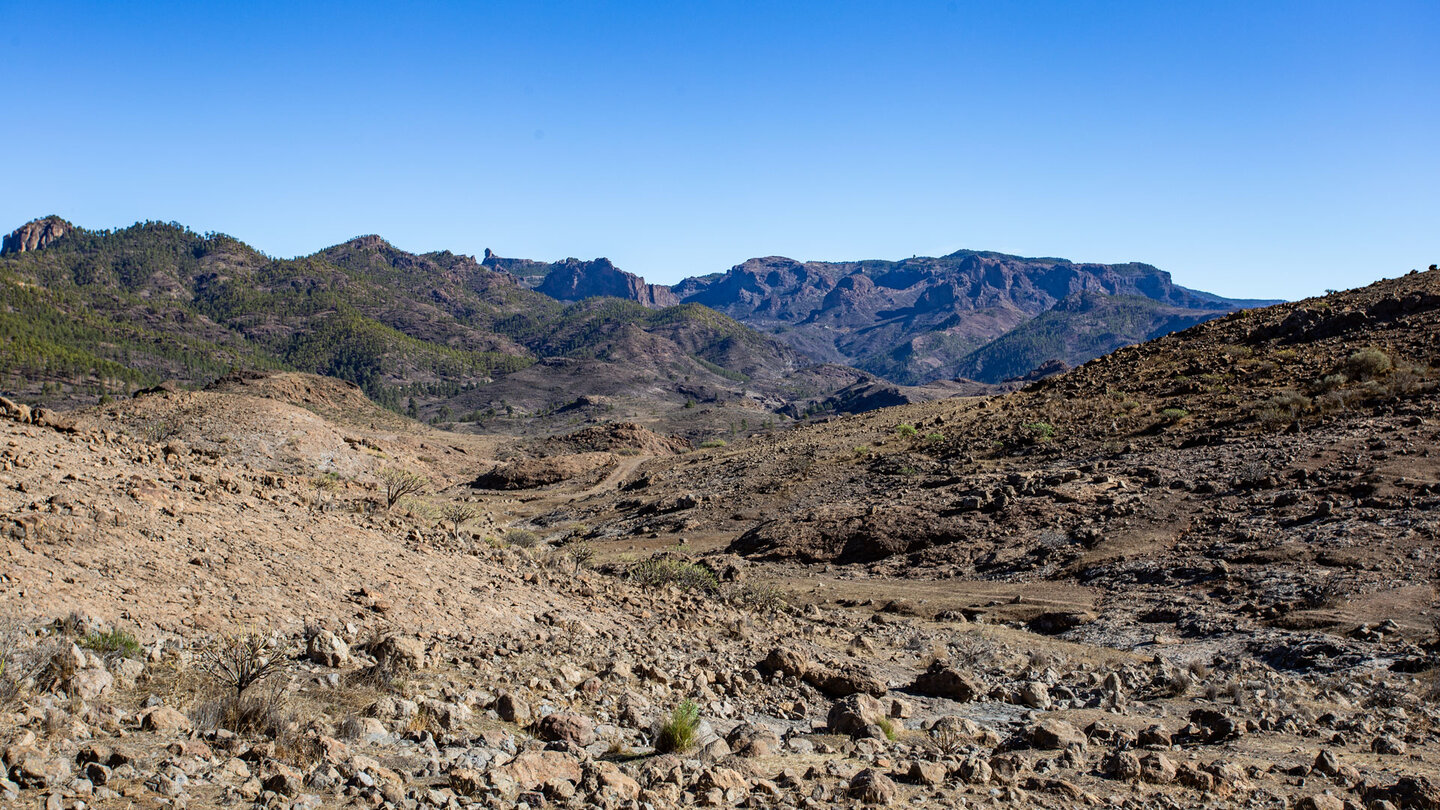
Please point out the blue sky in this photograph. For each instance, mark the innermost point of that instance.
(1267, 149)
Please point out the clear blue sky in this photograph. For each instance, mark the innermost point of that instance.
(1265, 149)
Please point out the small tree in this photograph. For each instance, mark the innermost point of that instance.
(459, 514)
(399, 483)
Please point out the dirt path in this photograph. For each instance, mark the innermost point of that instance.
(626, 466)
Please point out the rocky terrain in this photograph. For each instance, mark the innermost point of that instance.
(1198, 572)
(89, 314)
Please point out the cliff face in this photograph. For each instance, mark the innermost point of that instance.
(574, 280)
(35, 235)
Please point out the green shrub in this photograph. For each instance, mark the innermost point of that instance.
(1173, 415)
(905, 430)
(1039, 431)
(887, 726)
(934, 437)
(1369, 363)
(115, 642)
(679, 731)
(524, 538)
(862, 451)
(661, 571)
(712, 443)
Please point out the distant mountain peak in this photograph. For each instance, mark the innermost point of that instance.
(369, 241)
(35, 234)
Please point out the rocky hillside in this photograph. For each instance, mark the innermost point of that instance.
(923, 318)
(1272, 470)
(93, 313)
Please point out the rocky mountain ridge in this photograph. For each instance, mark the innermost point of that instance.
(965, 315)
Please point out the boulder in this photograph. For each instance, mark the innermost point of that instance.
(942, 680)
(851, 714)
(786, 662)
(400, 654)
(327, 649)
(164, 720)
(1055, 735)
(872, 787)
(567, 727)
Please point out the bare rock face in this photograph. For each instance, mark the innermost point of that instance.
(35, 235)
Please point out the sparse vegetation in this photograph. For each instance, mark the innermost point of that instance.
(238, 661)
(114, 642)
(1038, 431)
(458, 514)
(888, 727)
(710, 444)
(522, 538)
(905, 430)
(679, 730)
(1173, 416)
(399, 483)
(1368, 364)
(663, 571)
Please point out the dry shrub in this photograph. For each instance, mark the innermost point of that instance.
(260, 712)
(20, 660)
(241, 660)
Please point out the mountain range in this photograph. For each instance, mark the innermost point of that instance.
(446, 337)
(973, 314)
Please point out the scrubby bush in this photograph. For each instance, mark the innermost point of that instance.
(241, 660)
(458, 514)
(713, 443)
(522, 538)
(1039, 431)
(16, 663)
(680, 730)
(661, 571)
(905, 430)
(1173, 415)
(757, 597)
(1368, 364)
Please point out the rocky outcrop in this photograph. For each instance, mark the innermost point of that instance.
(572, 280)
(35, 235)
(575, 280)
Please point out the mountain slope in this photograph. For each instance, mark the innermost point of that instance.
(93, 312)
(924, 318)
